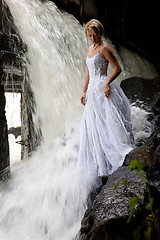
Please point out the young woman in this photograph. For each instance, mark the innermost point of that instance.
(106, 130)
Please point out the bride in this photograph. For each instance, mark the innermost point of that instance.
(106, 130)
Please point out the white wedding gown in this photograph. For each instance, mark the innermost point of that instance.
(106, 130)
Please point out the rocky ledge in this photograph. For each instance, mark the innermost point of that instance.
(127, 206)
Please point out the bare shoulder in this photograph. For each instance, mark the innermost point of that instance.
(90, 49)
(108, 53)
(106, 49)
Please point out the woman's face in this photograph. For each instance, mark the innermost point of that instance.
(93, 36)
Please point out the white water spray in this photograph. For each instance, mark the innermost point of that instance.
(53, 41)
(45, 199)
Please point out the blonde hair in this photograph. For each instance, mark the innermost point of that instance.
(95, 25)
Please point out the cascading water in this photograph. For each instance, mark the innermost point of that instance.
(52, 50)
(45, 199)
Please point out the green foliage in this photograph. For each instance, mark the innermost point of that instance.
(125, 182)
(149, 204)
(138, 166)
(132, 203)
(152, 223)
(117, 184)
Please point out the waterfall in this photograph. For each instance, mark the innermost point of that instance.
(56, 50)
(45, 199)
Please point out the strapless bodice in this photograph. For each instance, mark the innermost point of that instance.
(97, 65)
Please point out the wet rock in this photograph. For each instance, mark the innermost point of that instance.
(12, 46)
(157, 154)
(145, 93)
(106, 218)
(112, 206)
(141, 90)
(12, 54)
(143, 153)
(156, 106)
(156, 111)
(148, 152)
(154, 180)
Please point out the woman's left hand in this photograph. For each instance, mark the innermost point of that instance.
(107, 90)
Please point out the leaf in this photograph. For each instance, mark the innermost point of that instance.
(117, 184)
(132, 203)
(129, 218)
(125, 182)
(133, 164)
(138, 166)
(150, 204)
(141, 166)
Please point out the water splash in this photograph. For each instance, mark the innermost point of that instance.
(141, 126)
(44, 199)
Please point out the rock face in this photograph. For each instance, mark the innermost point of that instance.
(148, 152)
(111, 206)
(107, 214)
(141, 89)
(106, 217)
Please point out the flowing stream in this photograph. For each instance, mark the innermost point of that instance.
(45, 199)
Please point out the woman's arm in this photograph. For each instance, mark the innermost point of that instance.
(108, 53)
(85, 86)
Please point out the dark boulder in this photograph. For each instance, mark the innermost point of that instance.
(107, 217)
(148, 152)
(156, 106)
(141, 90)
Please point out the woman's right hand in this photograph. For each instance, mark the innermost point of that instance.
(83, 99)
(107, 90)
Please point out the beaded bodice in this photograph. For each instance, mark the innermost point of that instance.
(97, 66)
